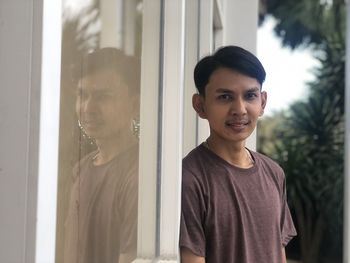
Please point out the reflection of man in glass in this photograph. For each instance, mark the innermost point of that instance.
(101, 225)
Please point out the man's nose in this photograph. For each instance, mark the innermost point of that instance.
(238, 107)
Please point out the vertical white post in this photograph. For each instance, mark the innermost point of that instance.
(191, 58)
(49, 132)
(146, 240)
(172, 119)
(20, 33)
(346, 256)
(206, 15)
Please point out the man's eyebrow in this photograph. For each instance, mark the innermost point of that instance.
(223, 90)
(254, 89)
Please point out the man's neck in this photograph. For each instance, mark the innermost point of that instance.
(111, 147)
(234, 153)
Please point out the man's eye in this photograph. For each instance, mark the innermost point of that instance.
(225, 97)
(251, 95)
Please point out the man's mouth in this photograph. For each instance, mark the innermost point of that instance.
(237, 124)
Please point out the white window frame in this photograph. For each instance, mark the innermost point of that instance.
(49, 131)
(206, 16)
(172, 129)
(149, 119)
(159, 209)
(191, 58)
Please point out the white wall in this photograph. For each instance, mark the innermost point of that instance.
(29, 128)
(19, 132)
(240, 28)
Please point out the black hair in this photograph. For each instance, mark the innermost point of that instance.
(231, 57)
(127, 67)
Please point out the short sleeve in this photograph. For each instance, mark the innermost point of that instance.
(287, 227)
(192, 232)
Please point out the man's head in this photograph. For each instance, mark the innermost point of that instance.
(108, 93)
(230, 57)
(110, 59)
(230, 97)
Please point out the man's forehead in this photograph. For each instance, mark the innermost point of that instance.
(101, 82)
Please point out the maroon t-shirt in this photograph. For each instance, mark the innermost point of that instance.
(102, 218)
(234, 215)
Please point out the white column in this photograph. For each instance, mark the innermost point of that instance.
(346, 248)
(30, 62)
(206, 16)
(149, 119)
(16, 33)
(172, 129)
(49, 132)
(191, 58)
(241, 23)
(166, 224)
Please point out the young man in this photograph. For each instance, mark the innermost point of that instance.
(101, 225)
(234, 207)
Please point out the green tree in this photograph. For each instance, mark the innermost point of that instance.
(306, 22)
(309, 142)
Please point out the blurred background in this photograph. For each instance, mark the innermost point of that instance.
(302, 45)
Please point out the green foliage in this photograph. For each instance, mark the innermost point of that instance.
(308, 138)
(305, 22)
(308, 144)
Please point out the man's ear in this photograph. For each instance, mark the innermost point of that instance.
(198, 105)
(263, 102)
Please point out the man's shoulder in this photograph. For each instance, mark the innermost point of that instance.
(195, 164)
(195, 158)
(192, 154)
(266, 162)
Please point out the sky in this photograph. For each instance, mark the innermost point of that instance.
(286, 71)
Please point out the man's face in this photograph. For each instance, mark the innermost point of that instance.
(103, 105)
(232, 105)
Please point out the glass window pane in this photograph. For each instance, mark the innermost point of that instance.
(99, 131)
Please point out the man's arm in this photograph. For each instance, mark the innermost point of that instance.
(188, 257)
(284, 258)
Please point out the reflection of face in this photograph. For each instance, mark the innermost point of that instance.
(232, 104)
(103, 106)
